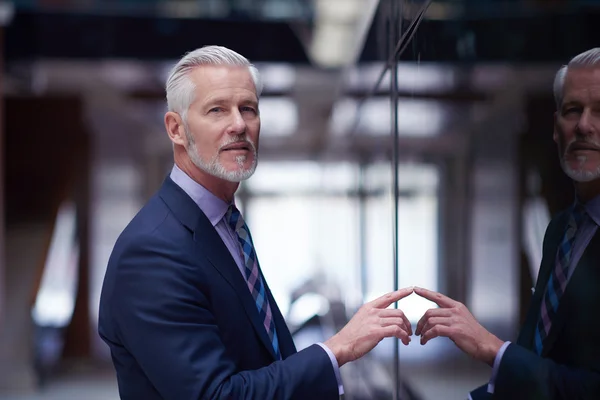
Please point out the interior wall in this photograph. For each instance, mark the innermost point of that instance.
(493, 286)
(41, 160)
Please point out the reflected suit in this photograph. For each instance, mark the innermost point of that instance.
(569, 365)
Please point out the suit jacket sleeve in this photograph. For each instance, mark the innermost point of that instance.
(480, 393)
(167, 323)
(525, 375)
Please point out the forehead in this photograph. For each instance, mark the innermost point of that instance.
(582, 81)
(213, 79)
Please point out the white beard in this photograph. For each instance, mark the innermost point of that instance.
(215, 168)
(579, 174)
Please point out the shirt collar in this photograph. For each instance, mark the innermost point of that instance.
(213, 207)
(592, 207)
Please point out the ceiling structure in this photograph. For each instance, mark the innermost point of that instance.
(304, 113)
(319, 60)
(299, 31)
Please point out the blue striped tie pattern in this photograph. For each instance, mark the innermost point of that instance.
(252, 274)
(559, 278)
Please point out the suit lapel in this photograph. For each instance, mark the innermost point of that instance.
(554, 236)
(210, 245)
(577, 281)
(214, 249)
(286, 342)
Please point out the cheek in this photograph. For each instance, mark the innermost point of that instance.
(207, 141)
(253, 132)
(565, 134)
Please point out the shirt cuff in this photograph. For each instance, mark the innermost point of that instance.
(336, 368)
(497, 360)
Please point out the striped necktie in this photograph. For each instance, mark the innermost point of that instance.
(559, 277)
(252, 273)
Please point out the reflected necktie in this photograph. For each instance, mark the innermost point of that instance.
(559, 277)
(252, 275)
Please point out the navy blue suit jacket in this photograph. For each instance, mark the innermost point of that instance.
(569, 367)
(181, 323)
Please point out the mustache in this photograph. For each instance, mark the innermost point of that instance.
(238, 139)
(580, 142)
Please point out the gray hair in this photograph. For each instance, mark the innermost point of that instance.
(590, 58)
(180, 88)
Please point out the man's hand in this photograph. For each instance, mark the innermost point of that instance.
(369, 326)
(453, 320)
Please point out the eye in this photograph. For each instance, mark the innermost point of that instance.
(248, 109)
(571, 110)
(215, 110)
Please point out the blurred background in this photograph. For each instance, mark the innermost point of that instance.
(83, 147)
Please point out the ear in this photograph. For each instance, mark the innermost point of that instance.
(555, 134)
(175, 128)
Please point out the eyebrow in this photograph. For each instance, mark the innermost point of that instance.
(571, 102)
(224, 100)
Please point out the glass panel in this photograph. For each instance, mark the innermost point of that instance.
(415, 117)
(417, 233)
(421, 77)
(302, 176)
(301, 237)
(305, 223)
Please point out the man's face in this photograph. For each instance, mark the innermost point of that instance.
(223, 122)
(577, 124)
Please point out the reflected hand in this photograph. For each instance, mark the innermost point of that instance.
(454, 321)
(370, 325)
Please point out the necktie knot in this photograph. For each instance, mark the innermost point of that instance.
(578, 214)
(234, 218)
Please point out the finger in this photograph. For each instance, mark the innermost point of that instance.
(401, 321)
(437, 298)
(394, 331)
(397, 313)
(437, 331)
(432, 312)
(434, 321)
(394, 321)
(407, 324)
(392, 297)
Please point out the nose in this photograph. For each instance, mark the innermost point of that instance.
(237, 125)
(586, 125)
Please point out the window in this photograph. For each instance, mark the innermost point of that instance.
(304, 219)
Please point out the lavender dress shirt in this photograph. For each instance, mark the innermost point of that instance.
(215, 209)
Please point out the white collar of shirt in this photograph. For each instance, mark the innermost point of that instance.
(213, 207)
(592, 207)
